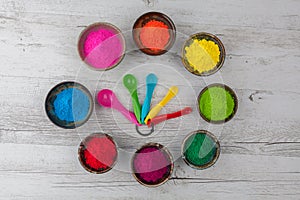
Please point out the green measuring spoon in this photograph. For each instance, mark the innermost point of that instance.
(130, 83)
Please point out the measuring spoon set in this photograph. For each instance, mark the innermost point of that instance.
(142, 114)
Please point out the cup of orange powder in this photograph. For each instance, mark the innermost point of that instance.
(154, 33)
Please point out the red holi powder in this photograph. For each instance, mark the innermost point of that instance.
(151, 164)
(155, 35)
(100, 153)
(102, 48)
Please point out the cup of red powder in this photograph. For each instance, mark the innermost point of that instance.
(152, 165)
(98, 153)
(154, 33)
(101, 46)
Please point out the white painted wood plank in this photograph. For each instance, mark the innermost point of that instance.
(254, 52)
(260, 146)
(233, 175)
(253, 127)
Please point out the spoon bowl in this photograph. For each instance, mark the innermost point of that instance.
(108, 99)
(130, 83)
(164, 117)
(105, 98)
(151, 81)
(154, 111)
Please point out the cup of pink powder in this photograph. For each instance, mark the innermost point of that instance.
(152, 165)
(101, 46)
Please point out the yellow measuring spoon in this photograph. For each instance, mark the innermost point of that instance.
(154, 111)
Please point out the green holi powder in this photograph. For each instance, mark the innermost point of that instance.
(216, 103)
(199, 149)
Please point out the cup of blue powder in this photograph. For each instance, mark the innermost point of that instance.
(69, 105)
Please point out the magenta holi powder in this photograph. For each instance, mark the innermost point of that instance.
(102, 46)
(152, 165)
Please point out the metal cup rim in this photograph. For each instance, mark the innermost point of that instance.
(65, 85)
(87, 30)
(216, 157)
(232, 93)
(165, 151)
(222, 54)
(81, 149)
(170, 25)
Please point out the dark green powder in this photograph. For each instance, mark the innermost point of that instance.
(199, 149)
(216, 103)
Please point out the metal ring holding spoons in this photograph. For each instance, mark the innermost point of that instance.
(145, 134)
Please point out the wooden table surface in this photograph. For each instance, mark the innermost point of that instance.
(260, 146)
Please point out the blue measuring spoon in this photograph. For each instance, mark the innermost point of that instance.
(151, 82)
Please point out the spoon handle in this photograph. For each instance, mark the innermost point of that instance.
(171, 93)
(151, 82)
(147, 101)
(136, 106)
(145, 107)
(129, 115)
(161, 118)
(130, 83)
(154, 111)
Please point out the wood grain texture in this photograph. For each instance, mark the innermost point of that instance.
(260, 155)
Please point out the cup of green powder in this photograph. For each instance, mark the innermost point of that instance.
(217, 103)
(69, 105)
(203, 54)
(200, 149)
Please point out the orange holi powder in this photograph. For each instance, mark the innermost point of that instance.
(155, 35)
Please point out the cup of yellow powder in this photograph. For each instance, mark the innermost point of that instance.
(203, 54)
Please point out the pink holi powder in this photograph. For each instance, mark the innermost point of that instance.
(102, 48)
(151, 164)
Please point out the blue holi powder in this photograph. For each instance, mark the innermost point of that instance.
(71, 105)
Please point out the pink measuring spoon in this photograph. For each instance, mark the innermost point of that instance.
(161, 118)
(108, 99)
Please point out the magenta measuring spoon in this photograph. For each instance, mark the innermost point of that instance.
(108, 99)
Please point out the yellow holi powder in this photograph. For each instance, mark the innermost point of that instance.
(202, 55)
